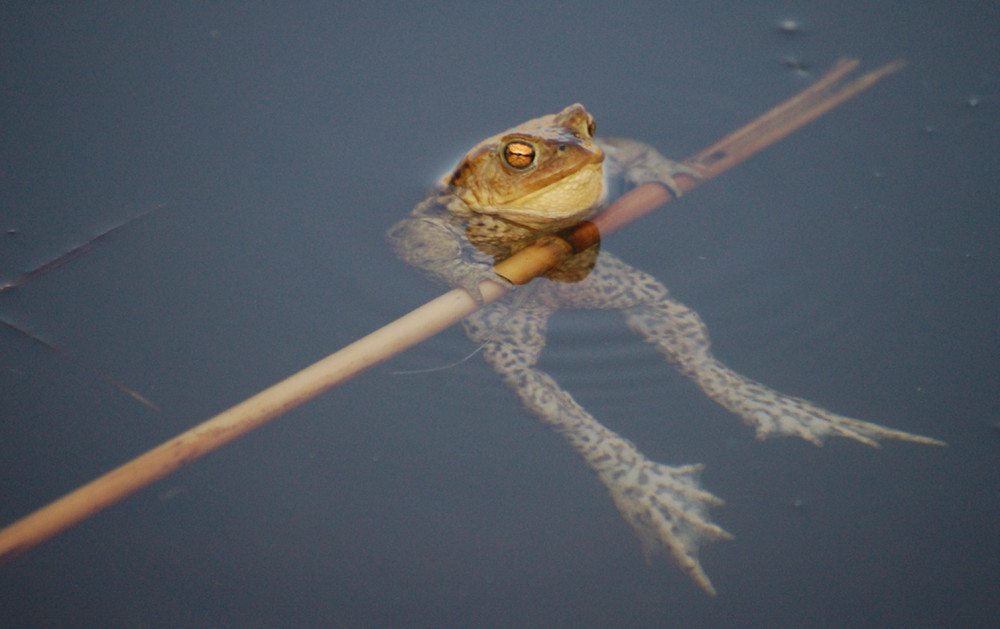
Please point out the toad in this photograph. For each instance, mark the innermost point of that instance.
(537, 179)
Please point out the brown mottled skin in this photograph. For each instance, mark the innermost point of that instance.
(538, 178)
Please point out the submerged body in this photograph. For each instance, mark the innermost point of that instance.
(541, 177)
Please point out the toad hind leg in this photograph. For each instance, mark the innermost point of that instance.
(679, 333)
(665, 505)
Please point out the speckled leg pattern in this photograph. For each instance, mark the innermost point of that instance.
(665, 505)
(679, 333)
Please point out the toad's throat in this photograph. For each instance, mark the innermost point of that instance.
(572, 198)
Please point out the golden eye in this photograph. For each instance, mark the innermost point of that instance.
(519, 154)
(591, 126)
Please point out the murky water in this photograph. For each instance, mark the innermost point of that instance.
(853, 265)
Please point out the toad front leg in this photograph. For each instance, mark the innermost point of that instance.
(665, 505)
(640, 163)
(430, 241)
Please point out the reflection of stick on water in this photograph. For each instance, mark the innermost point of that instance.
(54, 264)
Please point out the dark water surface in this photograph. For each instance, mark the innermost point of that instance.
(855, 264)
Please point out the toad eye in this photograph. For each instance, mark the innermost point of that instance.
(591, 126)
(519, 154)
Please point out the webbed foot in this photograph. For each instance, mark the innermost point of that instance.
(642, 163)
(772, 414)
(669, 511)
(669, 169)
(469, 276)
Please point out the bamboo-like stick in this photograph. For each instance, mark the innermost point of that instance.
(421, 323)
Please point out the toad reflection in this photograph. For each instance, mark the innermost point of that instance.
(539, 178)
